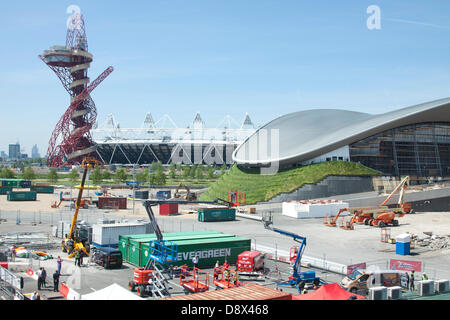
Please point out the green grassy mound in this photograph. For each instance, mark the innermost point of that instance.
(264, 187)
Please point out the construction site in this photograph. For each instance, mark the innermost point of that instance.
(331, 224)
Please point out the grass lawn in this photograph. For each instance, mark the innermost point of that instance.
(264, 187)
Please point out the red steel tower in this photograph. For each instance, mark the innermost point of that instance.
(71, 139)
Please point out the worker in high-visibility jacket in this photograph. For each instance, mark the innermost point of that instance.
(226, 275)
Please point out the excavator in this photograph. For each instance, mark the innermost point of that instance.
(190, 196)
(380, 216)
(72, 243)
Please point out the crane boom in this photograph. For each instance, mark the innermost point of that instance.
(403, 184)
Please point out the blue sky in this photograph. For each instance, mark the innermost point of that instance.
(221, 57)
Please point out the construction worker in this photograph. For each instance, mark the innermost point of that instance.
(225, 274)
(59, 264)
(235, 280)
(195, 261)
(55, 281)
(226, 264)
(78, 258)
(411, 284)
(424, 276)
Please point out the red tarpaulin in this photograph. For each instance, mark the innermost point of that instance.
(327, 292)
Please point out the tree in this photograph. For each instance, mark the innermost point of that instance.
(211, 172)
(120, 176)
(52, 175)
(141, 176)
(106, 174)
(192, 172)
(7, 173)
(199, 173)
(29, 174)
(172, 172)
(160, 177)
(74, 176)
(186, 170)
(97, 176)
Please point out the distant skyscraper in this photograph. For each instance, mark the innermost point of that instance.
(3, 155)
(35, 152)
(14, 151)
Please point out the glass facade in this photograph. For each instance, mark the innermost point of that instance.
(421, 149)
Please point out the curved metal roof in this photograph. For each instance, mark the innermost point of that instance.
(307, 134)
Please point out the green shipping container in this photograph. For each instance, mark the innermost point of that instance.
(216, 214)
(124, 240)
(209, 251)
(21, 196)
(135, 251)
(15, 183)
(43, 189)
(5, 190)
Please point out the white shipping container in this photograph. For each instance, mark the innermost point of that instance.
(63, 228)
(313, 209)
(108, 234)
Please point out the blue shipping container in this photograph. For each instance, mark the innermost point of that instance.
(25, 184)
(163, 195)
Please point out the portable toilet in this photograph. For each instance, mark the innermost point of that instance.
(403, 244)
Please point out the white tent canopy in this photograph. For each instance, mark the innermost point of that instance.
(113, 292)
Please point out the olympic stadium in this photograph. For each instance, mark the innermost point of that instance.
(410, 141)
(164, 141)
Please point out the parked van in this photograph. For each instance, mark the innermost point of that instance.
(361, 280)
(108, 257)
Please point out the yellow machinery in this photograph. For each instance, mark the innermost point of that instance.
(72, 244)
(190, 196)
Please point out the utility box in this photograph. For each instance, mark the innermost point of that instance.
(425, 288)
(216, 214)
(378, 293)
(442, 286)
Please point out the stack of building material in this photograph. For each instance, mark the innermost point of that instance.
(313, 208)
(246, 292)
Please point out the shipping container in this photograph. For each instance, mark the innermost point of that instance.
(15, 183)
(216, 214)
(124, 240)
(209, 251)
(163, 195)
(141, 195)
(5, 190)
(25, 184)
(143, 244)
(21, 196)
(166, 209)
(43, 189)
(112, 202)
(108, 234)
